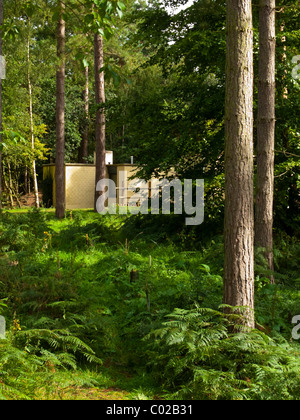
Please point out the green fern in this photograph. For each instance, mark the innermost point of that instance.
(28, 358)
(195, 353)
(38, 339)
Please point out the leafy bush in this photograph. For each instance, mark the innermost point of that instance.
(195, 353)
(29, 358)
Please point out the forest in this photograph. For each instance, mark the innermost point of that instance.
(137, 303)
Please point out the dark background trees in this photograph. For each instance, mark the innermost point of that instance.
(159, 66)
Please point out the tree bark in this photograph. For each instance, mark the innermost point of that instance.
(26, 180)
(239, 206)
(35, 183)
(60, 193)
(266, 131)
(285, 92)
(13, 191)
(100, 115)
(83, 152)
(8, 186)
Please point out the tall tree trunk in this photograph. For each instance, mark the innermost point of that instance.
(26, 180)
(239, 206)
(60, 193)
(283, 57)
(1, 52)
(100, 116)
(13, 191)
(35, 184)
(266, 131)
(83, 152)
(8, 185)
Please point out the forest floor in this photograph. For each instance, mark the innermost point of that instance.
(93, 393)
(28, 200)
(108, 391)
(30, 242)
(67, 284)
(110, 383)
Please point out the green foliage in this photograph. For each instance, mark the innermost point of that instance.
(12, 138)
(74, 116)
(29, 358)
(195, 354)
(67, 285)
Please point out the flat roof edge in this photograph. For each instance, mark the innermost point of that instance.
(90, 164)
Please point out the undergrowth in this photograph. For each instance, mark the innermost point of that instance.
(71, 303)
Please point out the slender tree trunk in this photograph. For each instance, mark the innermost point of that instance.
(284, 58)
(26, 180)
(35, 183)
(60, 194)
(83, 153)
(1, 52)
(266, 131)
(13, 192)
(100, 116)
(8, 186)
(239, 211)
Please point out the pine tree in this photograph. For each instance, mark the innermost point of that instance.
(239, 212)
(60, 119)
(100, 115)
(266, 131)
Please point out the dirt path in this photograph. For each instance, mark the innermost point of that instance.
(74, 393)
